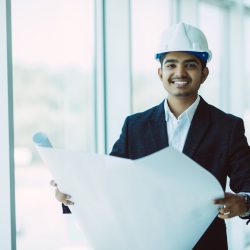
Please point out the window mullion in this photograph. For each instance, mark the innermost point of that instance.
(7, 187)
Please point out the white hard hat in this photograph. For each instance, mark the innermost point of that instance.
(186, 38)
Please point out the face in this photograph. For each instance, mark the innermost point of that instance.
(182, 75)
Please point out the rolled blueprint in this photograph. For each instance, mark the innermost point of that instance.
(161, 201)
(42, 140)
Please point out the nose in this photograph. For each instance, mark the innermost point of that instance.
(180, 71)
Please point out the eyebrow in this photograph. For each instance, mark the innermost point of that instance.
(185, 61)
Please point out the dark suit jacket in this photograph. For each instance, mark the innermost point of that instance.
(215, 140)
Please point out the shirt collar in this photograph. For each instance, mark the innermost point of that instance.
(188, 113)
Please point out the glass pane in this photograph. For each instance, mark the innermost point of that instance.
(53, 92)
(247, 76)
(213, 30)
(247, 47)
(149, 19)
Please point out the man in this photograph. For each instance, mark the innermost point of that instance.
(186, 122)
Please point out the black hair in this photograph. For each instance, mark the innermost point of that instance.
(163, 55)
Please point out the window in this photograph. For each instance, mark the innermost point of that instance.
(149, 19)
(213, 30)
(53, 92)
(247, 76)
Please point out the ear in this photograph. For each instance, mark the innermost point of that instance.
(160, 73)
(205, 73)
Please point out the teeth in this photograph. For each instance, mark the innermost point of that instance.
(180, 82)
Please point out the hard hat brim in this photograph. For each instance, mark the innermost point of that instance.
(205, 56)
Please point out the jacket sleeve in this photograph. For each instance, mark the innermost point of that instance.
(120, 148)
(239, 165)
(239, 171)
(66, 209)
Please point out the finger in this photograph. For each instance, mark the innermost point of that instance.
(227, 216)
(223, 201)
(61, 196)
(227, 198)
(53, 183)
(220, 202)
(68, 202)
(225, 210)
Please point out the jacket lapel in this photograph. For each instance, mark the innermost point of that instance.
(158, 129)
(197, 131)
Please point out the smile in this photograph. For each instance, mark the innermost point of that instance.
(179, 83)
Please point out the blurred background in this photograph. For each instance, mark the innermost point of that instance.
(81, 66)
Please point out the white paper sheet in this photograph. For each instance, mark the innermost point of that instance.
(161, 202)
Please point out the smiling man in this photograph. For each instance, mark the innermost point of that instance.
(181, 74)
(186, 122)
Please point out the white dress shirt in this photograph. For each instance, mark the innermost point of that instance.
(177, 128)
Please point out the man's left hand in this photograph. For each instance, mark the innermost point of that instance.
(233, 205)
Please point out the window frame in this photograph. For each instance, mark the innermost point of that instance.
(7, 179)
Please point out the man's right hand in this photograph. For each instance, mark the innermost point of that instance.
(63, 198)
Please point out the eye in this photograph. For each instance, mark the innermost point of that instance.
(191, 65)
(170, 65)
